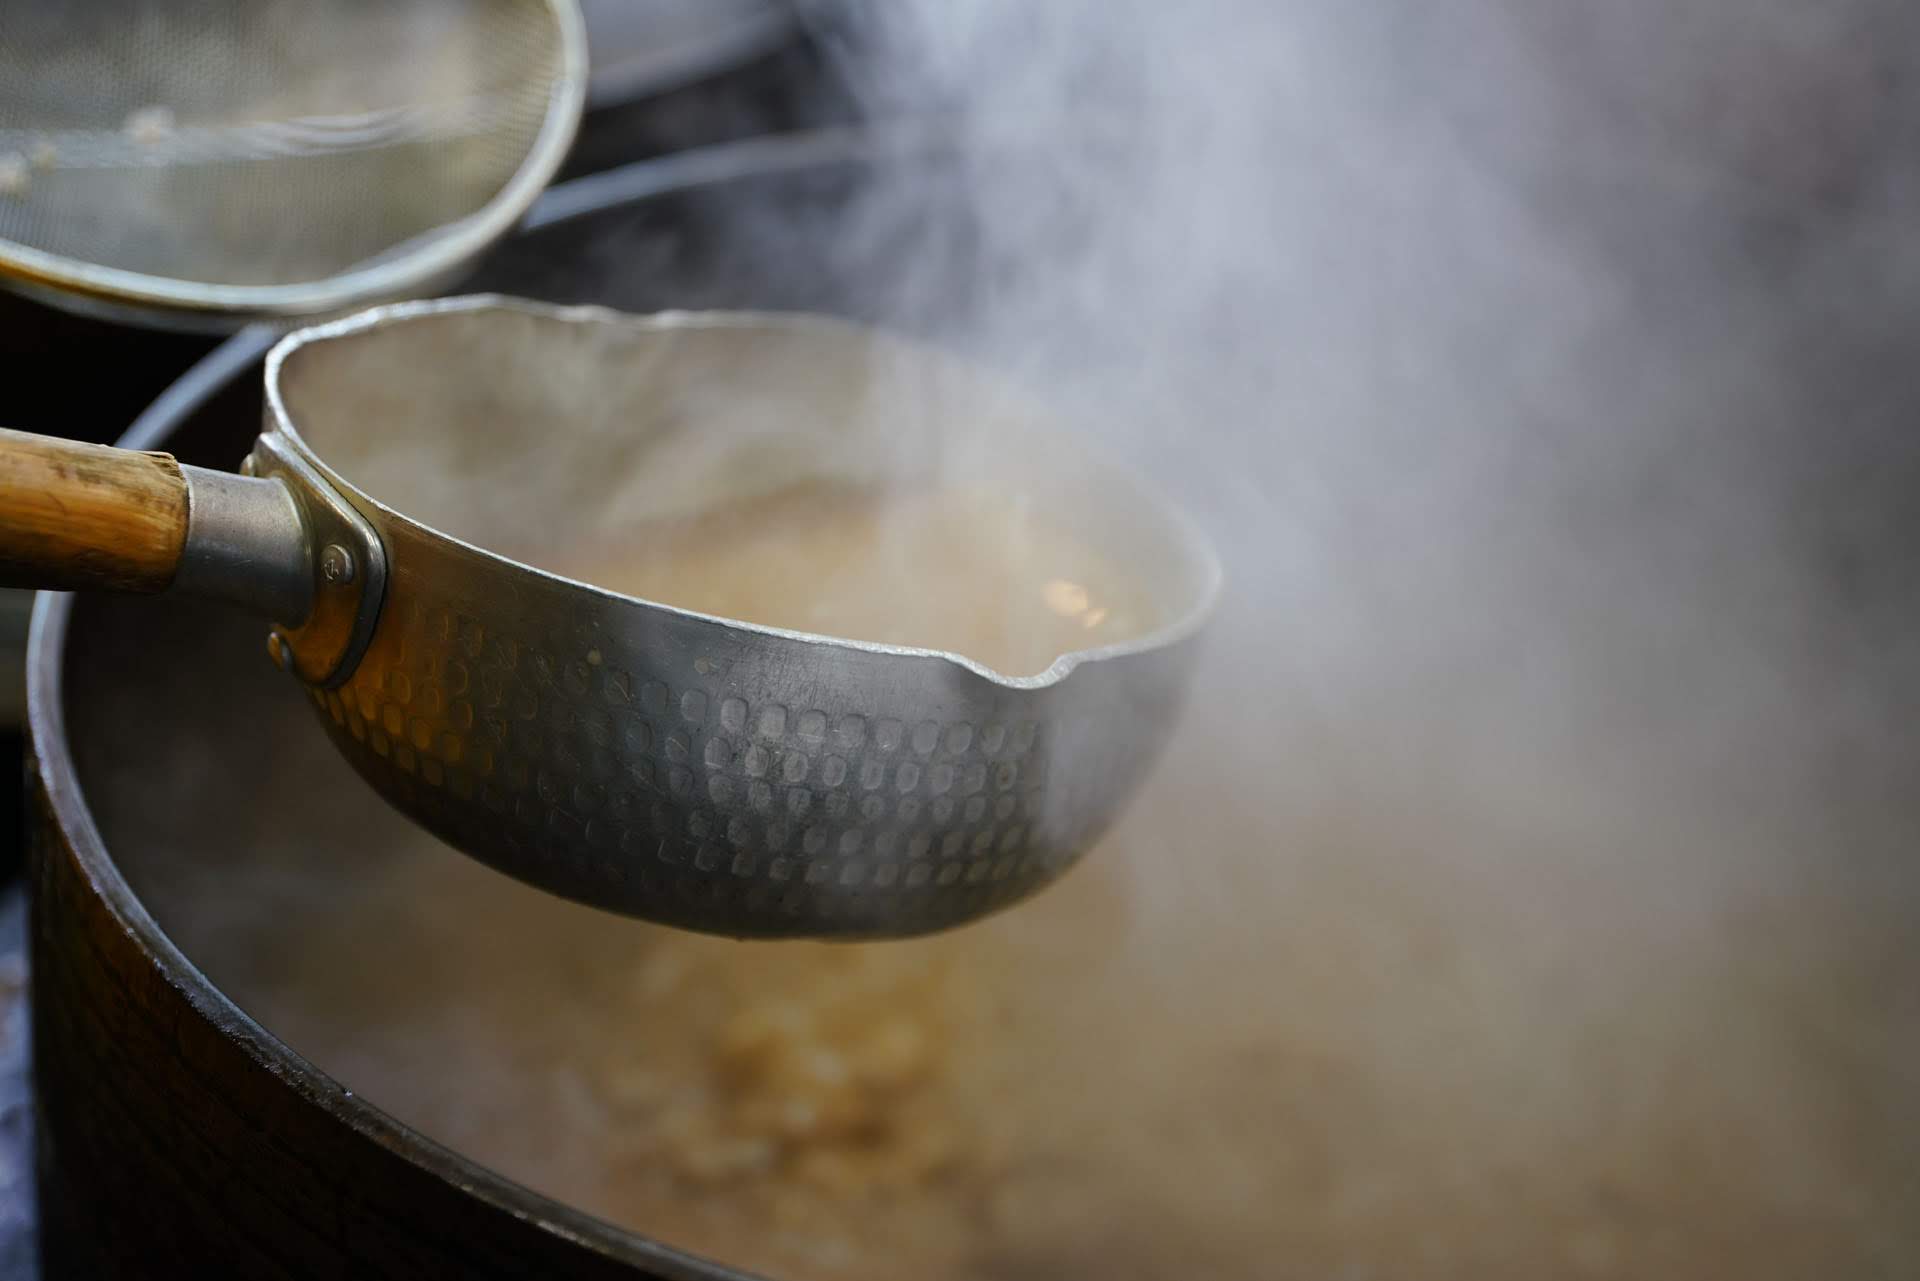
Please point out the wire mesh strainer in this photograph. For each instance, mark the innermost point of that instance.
(204, 162)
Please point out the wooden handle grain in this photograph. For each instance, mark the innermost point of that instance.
(78, 515)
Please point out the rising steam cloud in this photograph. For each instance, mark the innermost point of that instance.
(1495, 343)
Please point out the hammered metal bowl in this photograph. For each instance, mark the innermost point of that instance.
(688, 769)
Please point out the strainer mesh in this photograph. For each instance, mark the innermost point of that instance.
(236, 142)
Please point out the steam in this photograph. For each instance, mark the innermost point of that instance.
(1471, 331)
(1527, 364)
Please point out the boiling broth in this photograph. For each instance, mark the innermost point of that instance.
(976, 572)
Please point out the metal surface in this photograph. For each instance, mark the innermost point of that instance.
(198, 165)
(324, 644)
(246, 543)
(692, 770)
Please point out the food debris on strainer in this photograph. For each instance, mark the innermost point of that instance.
(150, 125)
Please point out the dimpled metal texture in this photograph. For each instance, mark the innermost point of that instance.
(726, 778)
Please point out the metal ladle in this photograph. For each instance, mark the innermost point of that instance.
(692, 770)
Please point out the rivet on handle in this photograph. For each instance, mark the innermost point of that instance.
(336, 565)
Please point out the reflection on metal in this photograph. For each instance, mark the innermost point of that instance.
(246, 543)
(322, 644)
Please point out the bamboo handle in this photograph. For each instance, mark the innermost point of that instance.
(77, 515)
